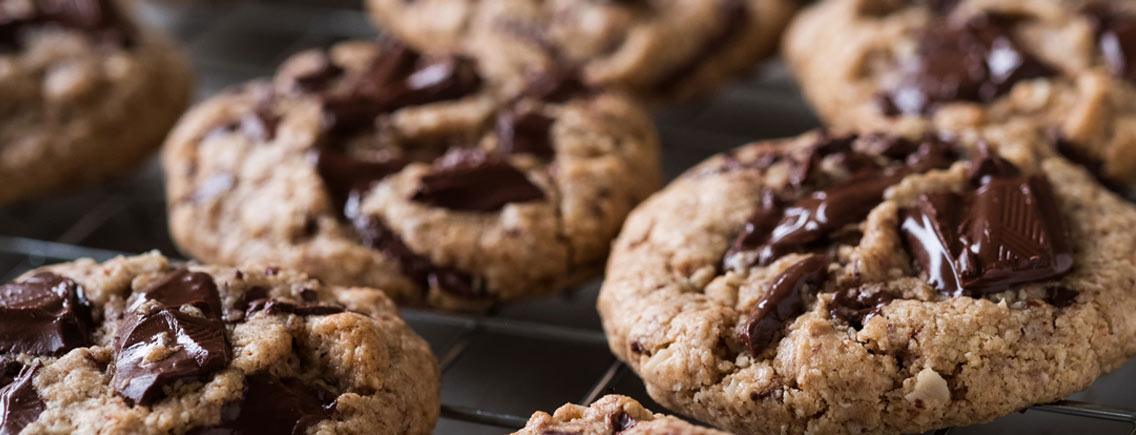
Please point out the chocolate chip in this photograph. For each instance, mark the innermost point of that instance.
(1060, 296)
(1116, 36)
(43, 315)
(20, 404)
(346, 177)
(620, 421)
(309, 295)
(171, 331)
(735, 18)
(473, 181)
(375, 234)
(856, 305)
(977, 62)
(782, 303)
(525, 132)
(272, 306)
(271, 405)
(1007, 232)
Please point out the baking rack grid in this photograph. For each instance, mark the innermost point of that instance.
(502, 364)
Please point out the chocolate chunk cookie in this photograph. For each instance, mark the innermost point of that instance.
(1058, 66)
(871, 284)
(611, 414)
(85, 93)
(138, 345)
(657, 49)
(372, 164)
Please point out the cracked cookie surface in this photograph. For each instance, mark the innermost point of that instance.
(139, 345)
(656, 49)
(871, 284)
(87, 94)
(372, 164)
(611, 414)
(1062, 67)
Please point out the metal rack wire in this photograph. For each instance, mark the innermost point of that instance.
(500, 365)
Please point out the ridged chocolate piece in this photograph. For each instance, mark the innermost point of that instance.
(271, 405)
(782, 303)
(20, 404)
(978, 61)
(1116, 36)
(100, 20)
(375, 234)
(1006, 232)
(477, 183)
(525, 132)
(43, 315)
(171, 331)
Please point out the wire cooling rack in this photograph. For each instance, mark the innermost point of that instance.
(500, 365)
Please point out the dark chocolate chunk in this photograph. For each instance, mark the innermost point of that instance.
(783, 302)
(272, 306)
(978, 61)
(1116, 36)
(472, 181)
(555, 86)
(346, 177)
(320, 76)
(375, 234)
(735, 18)
(1007, 232)
(1060, 296)
(171, 331)
(45, 314)
(20, 404)
(525, 132)
(100, 20)
(271, 405)
(855, 305)
(756, 229)
(620, 421)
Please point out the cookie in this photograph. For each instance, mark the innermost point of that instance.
(611, 414)
(374, 165)
(1059, 66)
(140, 345)
(656, 49)
(871, 284)
(87, 93)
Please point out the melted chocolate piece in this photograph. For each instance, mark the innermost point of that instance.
(757, 228)
(1116, 35)
(735, 17)
(525, 132)
(171, 331)
(855, 306)
(782, 303)
(475, 182)
(346, 177)
(272, 306)
(1007, 232)
(620, 421)
(20, 404)
(555, 86)
(978, 62)
(98, 19)
(43, 315)
(375, 234)
(271, 405)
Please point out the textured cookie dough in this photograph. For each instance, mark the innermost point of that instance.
(657, 49)
(793, 286)
(1063, 67)
(611, 414)
(87, 94)
(372, 165)
(139, 345)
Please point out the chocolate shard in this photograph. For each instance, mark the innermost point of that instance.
(855, 306)
(375, 234)
(346, 177)
(978, 61)
(475, 182)
(45, 314)
(525, 132)
(271, 405)
(735, 18)
(1116, 36)
(782, 303)
(20, 404)
(273, 306)
(171, 331)
(1007, 232)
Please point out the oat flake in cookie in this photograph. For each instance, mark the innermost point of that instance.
(372, 164)
(657, 49)
(871, 284)
(610, 415)
(1061, 67)
(86, 93)
(139, 345)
